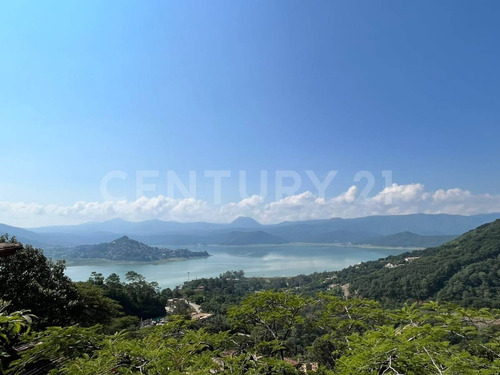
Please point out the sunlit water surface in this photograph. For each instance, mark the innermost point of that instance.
(262, 260)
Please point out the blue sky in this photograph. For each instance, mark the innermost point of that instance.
(89, 87)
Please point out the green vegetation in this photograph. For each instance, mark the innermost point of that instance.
(127, 249)
(217, 294)
(262, 325)
(465, 271)
(268, 329)
(32, 282)
(137, 296)
(13, 327)
(408, 239)
(29, 281)
(271, 317)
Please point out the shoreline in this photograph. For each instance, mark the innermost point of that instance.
(324, 244)
(91, 261)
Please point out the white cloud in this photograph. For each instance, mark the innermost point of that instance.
(393, 200)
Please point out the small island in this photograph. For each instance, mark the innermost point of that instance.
(127, 249)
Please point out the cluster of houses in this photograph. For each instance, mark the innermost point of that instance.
(407, 260)
(174, 306)
(194, 310)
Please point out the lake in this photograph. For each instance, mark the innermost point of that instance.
(261, 260)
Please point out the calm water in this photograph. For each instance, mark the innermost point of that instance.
(273, 260)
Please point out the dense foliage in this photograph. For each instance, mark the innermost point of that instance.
(217, 294)
(277, 333)
(30, 281)
(465, 271)
(319, 322)
(137, 296)
(409, 239)
(13, 326)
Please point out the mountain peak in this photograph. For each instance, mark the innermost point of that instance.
(121, 239)
(245, 222)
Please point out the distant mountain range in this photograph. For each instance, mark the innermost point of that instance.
(418, 230)
(127, 249)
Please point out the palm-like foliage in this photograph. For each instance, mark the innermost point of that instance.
(13, 326)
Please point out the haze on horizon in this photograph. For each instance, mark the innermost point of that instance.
(147, 89)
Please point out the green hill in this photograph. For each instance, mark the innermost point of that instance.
(127, 249)
(409, 239)
(465, 271)
(252, 238)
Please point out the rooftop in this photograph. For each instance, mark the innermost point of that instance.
(7, 249)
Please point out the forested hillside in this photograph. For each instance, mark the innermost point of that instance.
(408, 239)
(464, 271)
(128, 249)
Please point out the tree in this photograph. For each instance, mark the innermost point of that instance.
(429, 340)
(96, 278)
(173, 348)
(56, 343)
(271, 316)
(138, 297)
(32, 282)
(13, 326)
(94, 307)
(339, 318)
